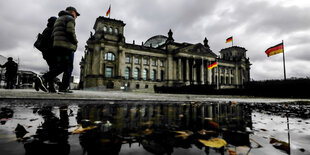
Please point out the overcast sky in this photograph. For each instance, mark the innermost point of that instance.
(255, 25)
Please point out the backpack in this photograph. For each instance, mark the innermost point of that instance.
(44, 40)
(39, 43)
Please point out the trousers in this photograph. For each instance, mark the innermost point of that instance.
(63, 64)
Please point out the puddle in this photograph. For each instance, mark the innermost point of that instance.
(192, 128)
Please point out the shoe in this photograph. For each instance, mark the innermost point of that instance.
(40, 84)
(65, 91)
(51, 88)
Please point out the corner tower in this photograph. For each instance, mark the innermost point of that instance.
(109, 29)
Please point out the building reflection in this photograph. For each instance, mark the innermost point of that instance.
(161, 127)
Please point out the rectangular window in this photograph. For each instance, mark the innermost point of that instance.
(137, 61)
(145, 61)
(154, 62)
(161, 63)
(127, 59)
(108, 72)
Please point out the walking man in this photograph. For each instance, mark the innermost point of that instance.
(48, 54)
(11, 72)
(65, 44)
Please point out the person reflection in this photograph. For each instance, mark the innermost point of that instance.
(5, 114)
(52, 137)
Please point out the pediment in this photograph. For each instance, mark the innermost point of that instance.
(197, 49)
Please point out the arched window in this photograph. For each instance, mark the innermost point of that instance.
(136, 74)
(145, 73)
(105, 29)
(111, 30)
(127, 73)
(109, 56)
(116, 31)
(153, 75)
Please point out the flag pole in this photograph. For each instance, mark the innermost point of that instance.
(284, 61)
(110, 12)
(232, 41)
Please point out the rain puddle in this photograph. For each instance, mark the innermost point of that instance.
(192, 128)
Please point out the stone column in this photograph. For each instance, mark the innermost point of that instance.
(236, 75)
(141, 68)
(224, 75)
(132, 66)
(169, 71)
(121, 63)
(159, 69)
(194, 71)
(95, 60)
(180, 69)
(101, 59)
(187, 72)
(202, 73)
(175, 75)
(150, 68)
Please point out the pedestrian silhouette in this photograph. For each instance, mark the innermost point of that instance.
(11, 73)
(64, 44)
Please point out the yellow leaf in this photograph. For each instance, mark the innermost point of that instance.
(80, 129)
(147, 131)
(214, 142)
(183, 134)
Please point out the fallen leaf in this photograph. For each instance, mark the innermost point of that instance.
(214, 142)
(147, 123)
(234, 103)
(216, 125)
(231, 152)
(183, 134)
(147, 131)
(281, 145)
(80, 129)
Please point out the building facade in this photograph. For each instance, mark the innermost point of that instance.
(110, 62)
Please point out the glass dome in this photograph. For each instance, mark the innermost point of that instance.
(156, 41)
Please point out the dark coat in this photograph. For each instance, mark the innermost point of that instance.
(48, 39)
(64, 32)
(11, 69)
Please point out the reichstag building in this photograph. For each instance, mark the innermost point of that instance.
(110, 62)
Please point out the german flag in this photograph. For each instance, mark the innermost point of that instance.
(275, 50)
(212, 65)
(230, 39)
(108, 12)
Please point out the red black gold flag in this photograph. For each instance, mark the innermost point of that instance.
(275, 50)
(212, 65)
(108, 12)
(229, 39)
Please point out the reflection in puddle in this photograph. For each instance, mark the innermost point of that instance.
(145, 128)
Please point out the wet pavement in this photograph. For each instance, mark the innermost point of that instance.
(91, 123)
(139, 96)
